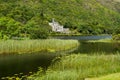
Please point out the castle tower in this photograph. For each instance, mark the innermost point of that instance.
(53, 20)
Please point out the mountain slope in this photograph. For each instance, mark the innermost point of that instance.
(85, 16)
(111, 4)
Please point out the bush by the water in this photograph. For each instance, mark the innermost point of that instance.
(116, 37)
(40, 33)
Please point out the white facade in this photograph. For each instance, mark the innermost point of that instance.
(56, 27)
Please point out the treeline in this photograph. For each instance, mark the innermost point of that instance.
(30, 18)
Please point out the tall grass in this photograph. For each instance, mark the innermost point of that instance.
(24, 46)
(78, 67)
(115, 76)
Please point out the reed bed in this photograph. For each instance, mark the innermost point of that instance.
(80, 67)
(29, 46)
(115, 76)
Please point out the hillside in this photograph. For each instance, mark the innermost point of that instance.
(111, 4)
(85, 16)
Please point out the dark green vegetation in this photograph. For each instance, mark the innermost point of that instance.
(28, 18)
(116, 37)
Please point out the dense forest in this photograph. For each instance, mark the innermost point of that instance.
(30, 18)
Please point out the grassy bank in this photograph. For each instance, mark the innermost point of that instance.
(102, 40)
(77, 67)
(26, 46)
(115, 76)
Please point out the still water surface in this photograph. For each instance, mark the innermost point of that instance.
(11, 65)
(25, 63)
(98, 47)
(92, 37)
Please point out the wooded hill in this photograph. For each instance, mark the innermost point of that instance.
(30, 18)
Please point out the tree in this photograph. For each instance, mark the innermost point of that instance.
(9, 27)
(39, 33)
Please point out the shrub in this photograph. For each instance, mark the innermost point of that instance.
(39, 33)
(116, 37)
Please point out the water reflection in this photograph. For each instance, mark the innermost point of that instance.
(23, 64)
(92, 37)
(97, 47)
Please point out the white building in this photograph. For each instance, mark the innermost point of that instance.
(56, 27)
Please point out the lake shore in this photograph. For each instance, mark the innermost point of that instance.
(79, 66)
(85, 65)
(30, 46)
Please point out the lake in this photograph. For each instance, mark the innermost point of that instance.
(11, 65)
(23, 64)
(94, 47)
(98, 47)
(92, 37)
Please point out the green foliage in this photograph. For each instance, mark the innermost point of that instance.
(39, 33)
(86, 17)
(9, 28)
(37, 28)
(116, 37)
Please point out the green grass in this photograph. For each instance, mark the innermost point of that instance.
(115, 76)
(77, 66)
(102, 40)
(26, 46)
